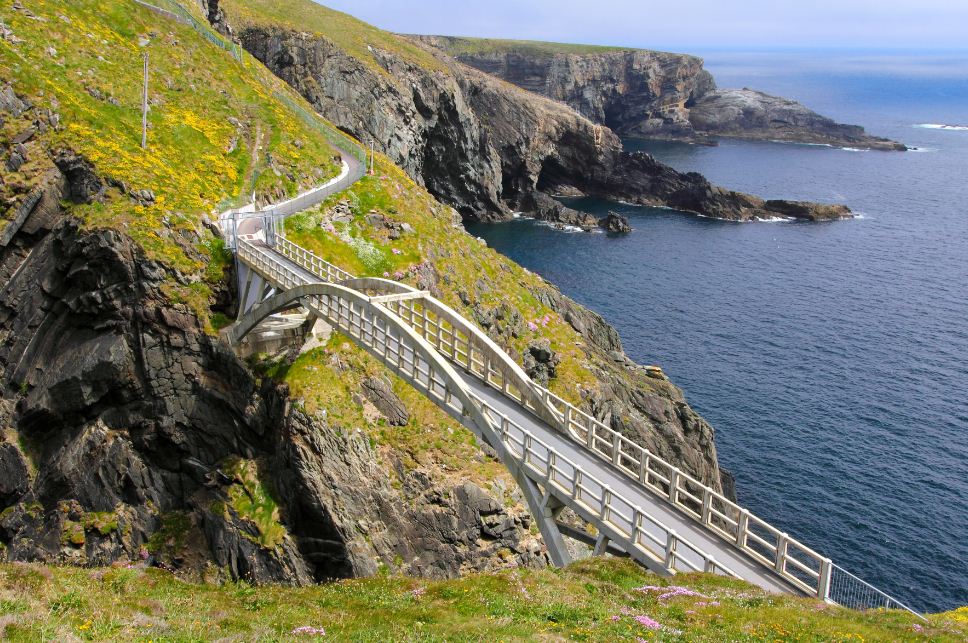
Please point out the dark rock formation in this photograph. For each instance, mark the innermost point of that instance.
(615, 222)
(476, 143)
(121, 416)
(381, 395)
(651, 94)
(544, 208)
(807, 211)
(540, 362)
(745, 113)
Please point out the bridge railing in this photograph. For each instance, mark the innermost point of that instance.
(795, 562)
(371, 326)
(850, 591)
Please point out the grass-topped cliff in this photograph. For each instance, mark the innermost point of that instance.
(217, 132)
(464, 46)
(594, 600)
(348, 33)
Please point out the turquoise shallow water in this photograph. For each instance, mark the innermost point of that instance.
(831, 358)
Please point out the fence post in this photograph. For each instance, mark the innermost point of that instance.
(670, 553)
(144, 107)
(674, 486)
(742, 526)
(781, 551)
(823, 584)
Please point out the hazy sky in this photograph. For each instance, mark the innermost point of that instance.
(682, 24)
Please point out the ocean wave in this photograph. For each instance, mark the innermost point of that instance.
(922, 149)
(775, 220)
(563, 227)
(854, 149)
(957, 128)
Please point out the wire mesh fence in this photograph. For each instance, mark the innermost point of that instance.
(337, 138)
(850, 591)
(178, 13)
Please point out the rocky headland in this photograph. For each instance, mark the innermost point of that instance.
(482, 145)
(652, 94)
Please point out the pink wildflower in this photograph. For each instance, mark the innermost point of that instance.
(616, 617)
(419, 591)
(396, 251)
(399, 274)
(918, 628)
(309, 630)
(647, 622)
(386, 275)
(532, 326)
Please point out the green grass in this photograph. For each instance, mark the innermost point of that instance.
(595, 600)
(328, 377)
(214, 125)
(353, 36)
(252, 500)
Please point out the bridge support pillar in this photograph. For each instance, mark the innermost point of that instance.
(252, 291)
(544, 514)
(601, 545)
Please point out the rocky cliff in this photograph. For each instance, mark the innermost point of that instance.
(651, 94)
(480, 144)
(131, 433)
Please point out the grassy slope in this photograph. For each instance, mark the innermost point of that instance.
(593, 600)
(197, 158)
(348, 33)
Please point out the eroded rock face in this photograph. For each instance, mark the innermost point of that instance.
(477, 143)
(659, 95)
(636, 93)
(745, 113)
(121, 419)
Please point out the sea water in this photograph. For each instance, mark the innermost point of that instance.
(832, 358)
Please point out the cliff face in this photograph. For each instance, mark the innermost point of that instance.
(477, 143)
(129, 433)
(634, 92)
(650, 94)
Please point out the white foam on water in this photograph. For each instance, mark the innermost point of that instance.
(922, 149)
(853, 149)
(775, 220)
(942, 126)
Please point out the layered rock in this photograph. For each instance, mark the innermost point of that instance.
(122, 420)
(477, 143)
(635, 92)
(651, 94)
(749, 114)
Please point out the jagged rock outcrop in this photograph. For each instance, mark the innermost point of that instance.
(615, 222)
(635, 92)
(652, 94)
(749, 114)
(479, 144)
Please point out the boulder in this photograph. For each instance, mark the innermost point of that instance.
(379, 392)
(615, 222)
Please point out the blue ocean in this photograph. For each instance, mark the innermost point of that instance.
(832, 358)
